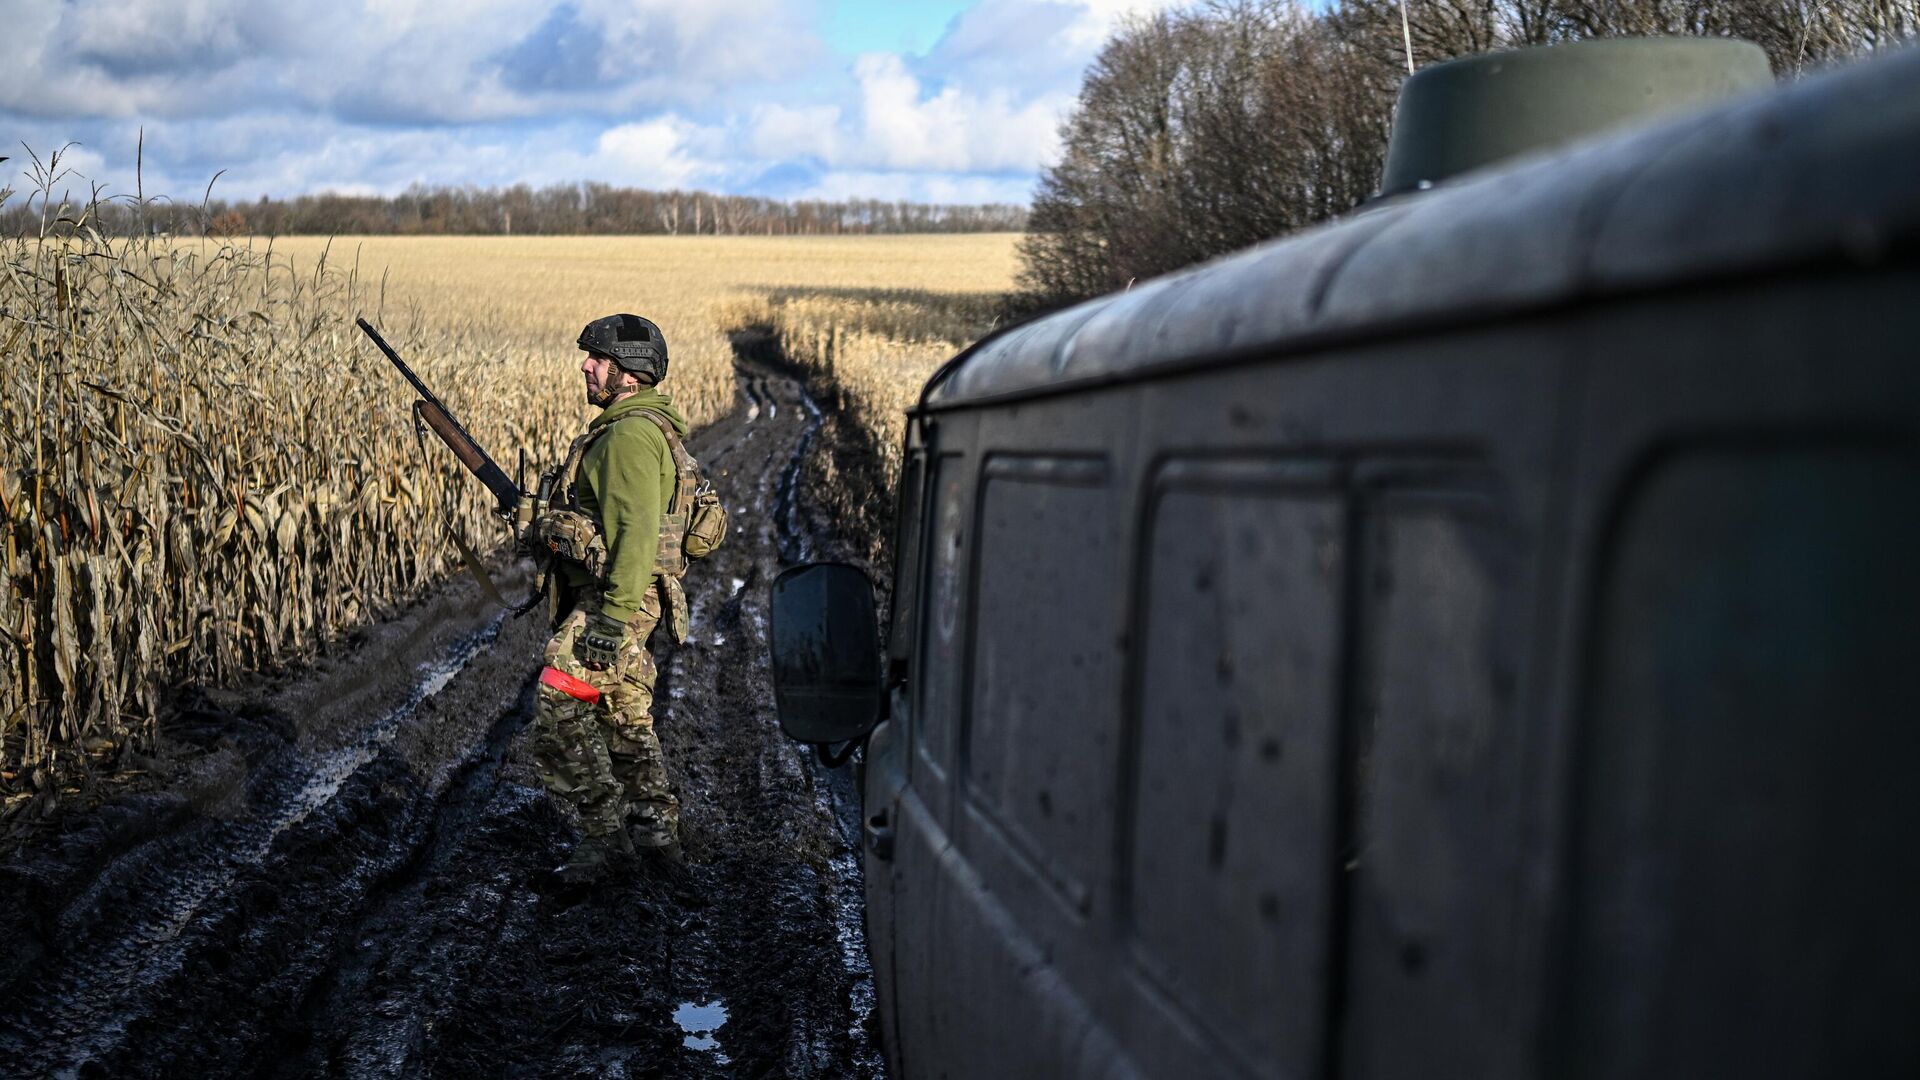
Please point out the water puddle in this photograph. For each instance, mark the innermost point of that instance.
(700, 1022)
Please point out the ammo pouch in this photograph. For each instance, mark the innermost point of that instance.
(707, 528)
(673, 609)
(573, 536)
(695, 523)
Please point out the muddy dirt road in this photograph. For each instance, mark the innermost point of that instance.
(348, 877)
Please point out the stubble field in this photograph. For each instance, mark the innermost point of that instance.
(209, 472)
(889, 305)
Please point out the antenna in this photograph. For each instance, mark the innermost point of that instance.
(1406, 35)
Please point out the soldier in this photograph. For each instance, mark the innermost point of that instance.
(627, 488)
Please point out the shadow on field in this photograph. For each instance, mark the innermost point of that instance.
(905, 314)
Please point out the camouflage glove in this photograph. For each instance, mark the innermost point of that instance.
(600, 641)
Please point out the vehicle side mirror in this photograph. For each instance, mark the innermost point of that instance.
(826, 653)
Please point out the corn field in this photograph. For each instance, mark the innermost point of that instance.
(208, 471)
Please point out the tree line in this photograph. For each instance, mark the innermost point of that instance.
(1201, 131)
(555, 210)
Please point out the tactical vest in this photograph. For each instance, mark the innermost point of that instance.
(692, 526)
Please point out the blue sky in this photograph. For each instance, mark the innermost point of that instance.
(942, 101)
(867, 26)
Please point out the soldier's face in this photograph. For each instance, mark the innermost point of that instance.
(597, 369)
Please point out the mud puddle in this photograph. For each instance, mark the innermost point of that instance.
(350, 878)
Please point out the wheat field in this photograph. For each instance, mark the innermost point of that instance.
(901, 303)
(210, 472)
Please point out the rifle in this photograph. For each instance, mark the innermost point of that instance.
(513, 504)
(511, 501)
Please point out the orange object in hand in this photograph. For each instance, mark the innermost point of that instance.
(570, 686)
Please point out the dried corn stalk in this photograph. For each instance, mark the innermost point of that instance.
(206, 471)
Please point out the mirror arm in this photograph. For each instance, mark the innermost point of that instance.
(832, 760)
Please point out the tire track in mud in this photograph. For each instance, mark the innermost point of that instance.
(829, 1042)
(350, 878)
(132, 931)
(794, 540)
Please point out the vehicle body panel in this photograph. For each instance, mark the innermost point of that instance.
(1466, 640)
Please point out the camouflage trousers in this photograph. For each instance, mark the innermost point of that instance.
(605, 759)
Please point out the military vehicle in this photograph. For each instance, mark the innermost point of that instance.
(1473, 638)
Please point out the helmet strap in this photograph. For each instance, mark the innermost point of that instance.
(619, 381)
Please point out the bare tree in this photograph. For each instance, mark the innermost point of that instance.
(1199, 133)
(1202, 132)
(561, 209)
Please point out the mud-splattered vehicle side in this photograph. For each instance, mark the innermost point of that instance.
(1468, 639)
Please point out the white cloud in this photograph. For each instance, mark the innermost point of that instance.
(292, 155)
(1102, 17)
(1028, 47)
(781, 131)
(655, 154)
(953, 129)
(375, 95)
(893, 123)
(392, 61)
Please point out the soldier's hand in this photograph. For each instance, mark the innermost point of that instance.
(600, 641)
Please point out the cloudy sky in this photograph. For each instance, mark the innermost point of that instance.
(933, 100)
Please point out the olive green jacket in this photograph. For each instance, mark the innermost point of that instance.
(625, 483)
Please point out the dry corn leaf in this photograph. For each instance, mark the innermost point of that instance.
(286, 532)
(223, 532)
(66, 642)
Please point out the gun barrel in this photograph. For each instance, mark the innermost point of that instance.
(464, 446)
(420, 387)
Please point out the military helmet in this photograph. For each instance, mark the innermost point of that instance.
(630, 341)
